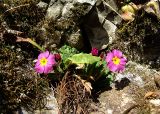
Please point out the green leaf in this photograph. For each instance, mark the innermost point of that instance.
(110, 78)
(67, 51)
(82, 58)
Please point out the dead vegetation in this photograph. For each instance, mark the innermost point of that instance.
(72, 96)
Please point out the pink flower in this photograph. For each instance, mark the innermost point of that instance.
(45, 62)
(116, 61)
(94, 51)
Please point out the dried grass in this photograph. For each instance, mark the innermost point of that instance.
(72, 96)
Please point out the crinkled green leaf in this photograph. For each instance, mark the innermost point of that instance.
(67, 51)
(82, 58)
(110, 78)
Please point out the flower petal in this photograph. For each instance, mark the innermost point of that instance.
(109, 56)
(39, 69)
(124, 59)
(44, 54)
(123, 62)
(117, 53)
(51, 60)
(112, 67)
(37, 63)
(121, 68)
(48, 69)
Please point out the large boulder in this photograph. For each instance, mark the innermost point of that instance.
(100, 24)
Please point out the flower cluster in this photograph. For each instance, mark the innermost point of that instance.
(116, 61)
(46, 61)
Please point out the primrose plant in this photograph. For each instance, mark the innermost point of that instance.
(86, 67)
(89, 68)
(113, 61)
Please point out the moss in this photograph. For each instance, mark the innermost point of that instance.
(24, 16)
(139, 39)
(79, 11)
(14, 3)
(20, 86)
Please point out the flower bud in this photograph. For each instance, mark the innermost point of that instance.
(57, 57)
(94, 51)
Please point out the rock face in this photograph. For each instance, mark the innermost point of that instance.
(66, 20)
(128, 91)
(62, 22)
(50, 108)
(53, 23)
(139, 39)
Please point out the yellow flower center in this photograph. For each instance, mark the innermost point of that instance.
(116, 60)
(43, 61)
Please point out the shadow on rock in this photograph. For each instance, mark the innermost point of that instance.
(119, 85)
(100, 86)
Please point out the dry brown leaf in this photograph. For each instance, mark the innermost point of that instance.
(86, 84)
(148, 94)
(153, 8)
(79, 110)
(151, 94)
(127, 16)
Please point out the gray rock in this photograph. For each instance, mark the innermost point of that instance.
(52, 2)
(127, 99)
(76, 40)
(54, 11)
(100, 26)
(50, 108)
(42, 5)
(66, 12)
(115, 102)
(111, 30)
(99, 29)
(62, 22)
(97, 35)
(91, 2)
(67, 1)
(133, 78)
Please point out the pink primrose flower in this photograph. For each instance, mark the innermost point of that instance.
(116, 61)
(45, 62)
(94, 52)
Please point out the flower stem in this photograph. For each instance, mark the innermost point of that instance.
(29, 40)
(35, 44)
